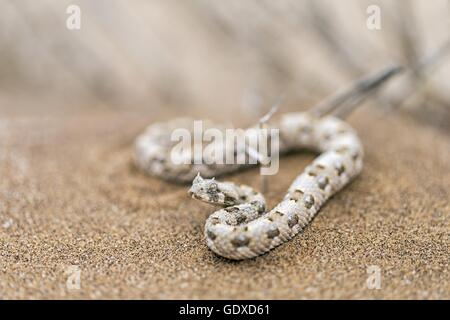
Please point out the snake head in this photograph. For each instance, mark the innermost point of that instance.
(214, 192)
(206, 190)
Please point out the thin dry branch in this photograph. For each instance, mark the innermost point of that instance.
(344, 102)
(355, 93)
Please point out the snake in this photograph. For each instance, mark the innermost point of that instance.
(242, 227)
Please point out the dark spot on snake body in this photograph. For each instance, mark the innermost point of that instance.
(322, 182)
(211, 235)
(308, 200)
(320, 166)
(229, 199)
(340, 168)
(259, 206)
(231, 209)
(214, 220)
(240, 241)
(296, 195)
(292, 220)
(212, 188)
(272, 232)
(213, 197)
(312, 173)
(355, 156)
(273, 216)
(240, 219)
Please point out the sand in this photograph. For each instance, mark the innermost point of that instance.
(69, 196)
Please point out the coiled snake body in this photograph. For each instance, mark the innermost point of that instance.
(243, 228)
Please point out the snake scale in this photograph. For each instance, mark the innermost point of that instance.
(243, 228)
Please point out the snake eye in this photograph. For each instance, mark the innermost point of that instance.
(213, 187)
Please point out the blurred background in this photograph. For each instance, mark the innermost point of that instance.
(215, 58)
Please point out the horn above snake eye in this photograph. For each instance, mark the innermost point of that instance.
(198, 178)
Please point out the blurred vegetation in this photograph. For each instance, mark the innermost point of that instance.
(212, 57)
